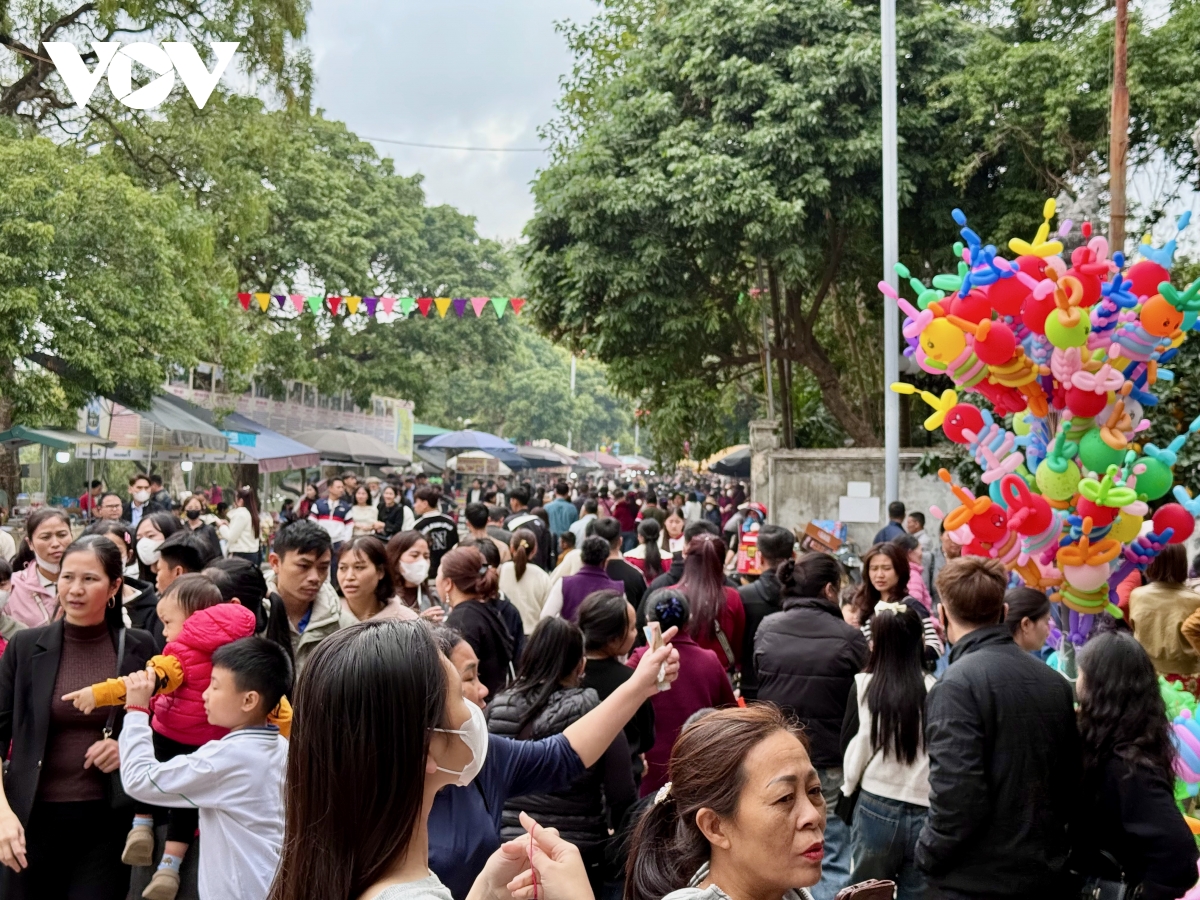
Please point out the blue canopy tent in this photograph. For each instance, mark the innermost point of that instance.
(272, 451)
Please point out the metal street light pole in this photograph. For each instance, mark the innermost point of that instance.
(891, 255)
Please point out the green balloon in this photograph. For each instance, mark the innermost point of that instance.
(1063, 337)
(1097, 456)
(1156, 480)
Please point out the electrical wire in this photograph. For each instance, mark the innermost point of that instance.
(453, 147)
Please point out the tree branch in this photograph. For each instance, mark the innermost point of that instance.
(831, 269)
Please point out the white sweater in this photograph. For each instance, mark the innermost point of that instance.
(236, 783)
(875, 773)
(528, 595)
(242, 538)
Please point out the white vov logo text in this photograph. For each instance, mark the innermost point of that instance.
(117, 60)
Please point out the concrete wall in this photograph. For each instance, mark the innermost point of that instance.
(798, 486)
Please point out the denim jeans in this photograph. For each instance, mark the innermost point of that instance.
(835, 868)
(884, 843)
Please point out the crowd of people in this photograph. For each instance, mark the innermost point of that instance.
(565, 691)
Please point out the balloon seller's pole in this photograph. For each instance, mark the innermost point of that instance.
(1118, 141)
(891, 255)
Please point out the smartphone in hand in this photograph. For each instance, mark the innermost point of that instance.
(654, 640)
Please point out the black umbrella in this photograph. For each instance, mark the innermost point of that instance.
(735, 465)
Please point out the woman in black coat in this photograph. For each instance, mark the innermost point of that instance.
(1129, 827)
(60, 834)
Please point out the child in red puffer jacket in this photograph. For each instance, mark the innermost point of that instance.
(196, 621)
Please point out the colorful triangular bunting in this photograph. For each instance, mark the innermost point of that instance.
(423, 304)
(298, 302)
(281, 299)
(314, 303)
(334, 303)
(443, 305)
(245, 299)
(478, 304)
(460, 304)
(370, 303)
(498, 304)
(517, 303)
(263, 301)
(352, 305)
(389, 303)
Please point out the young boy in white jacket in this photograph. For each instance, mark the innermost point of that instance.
(236, 782)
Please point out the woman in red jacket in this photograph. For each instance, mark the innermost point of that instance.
(718, 619)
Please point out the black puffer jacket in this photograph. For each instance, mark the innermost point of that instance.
(580, 813)
(1003, 773)
(806, 658)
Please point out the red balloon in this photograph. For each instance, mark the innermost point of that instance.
(990, 526)
(1172, 515)
(1100, 515)
(1091, 286)
(1085, 403)
(959, 417)
(1035, 312)
(997, 344)
(975, 307)
(1007, 296)
(1146, 276)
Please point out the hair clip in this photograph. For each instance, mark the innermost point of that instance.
(889, 606)
(663, 793)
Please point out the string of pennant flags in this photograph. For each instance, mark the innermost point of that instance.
(387, 305)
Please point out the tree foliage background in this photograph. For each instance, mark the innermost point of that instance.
(717, 173)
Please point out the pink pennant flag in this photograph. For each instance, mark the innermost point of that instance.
(298, 302)
(479, 304)
(389, 303)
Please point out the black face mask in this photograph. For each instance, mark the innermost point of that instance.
(193, 514)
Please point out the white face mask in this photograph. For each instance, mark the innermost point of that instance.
(474, 734)
(4, 598)
(141, 496)
(132, 571)
(50, 567)
(415, 572)
(147, 550)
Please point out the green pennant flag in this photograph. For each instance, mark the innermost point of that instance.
(498, 304)
(314, 303)
(407, 304)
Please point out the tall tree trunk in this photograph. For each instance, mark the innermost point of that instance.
(810, 354)
(10, 466)
(784, 343)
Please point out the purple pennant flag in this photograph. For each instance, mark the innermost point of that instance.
(460, 304)
(371, 303)
(281, 299)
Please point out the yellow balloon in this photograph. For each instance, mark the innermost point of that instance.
(942, 341)
(1126, 528)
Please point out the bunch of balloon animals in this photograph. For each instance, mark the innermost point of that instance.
(1067, 353)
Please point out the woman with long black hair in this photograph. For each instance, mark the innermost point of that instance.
(355, 819)
(544, 700)
(718, 619)
(886, 575)
(1129, 828)
(60, 833)
(885, 758)
(646, 555)
(244, 536)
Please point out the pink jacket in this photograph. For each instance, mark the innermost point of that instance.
(917, 589)
(28, 601)
(180, 715)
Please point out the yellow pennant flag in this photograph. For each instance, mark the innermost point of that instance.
(442, 304)
(263, 301)
(352, 304)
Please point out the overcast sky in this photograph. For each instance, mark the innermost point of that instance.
(459, 72)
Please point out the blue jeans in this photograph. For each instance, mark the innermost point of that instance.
(835, 868)
(884, 843)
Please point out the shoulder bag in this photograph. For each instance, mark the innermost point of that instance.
(113, 786)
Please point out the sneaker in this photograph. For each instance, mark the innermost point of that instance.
(139, 846)
(163, 886)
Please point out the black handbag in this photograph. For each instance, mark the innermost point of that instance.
(114, 788)
(845, 806)
(1097, 888)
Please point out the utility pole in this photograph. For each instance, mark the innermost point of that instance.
(766, 345)
(1118, 138)
(891, 255)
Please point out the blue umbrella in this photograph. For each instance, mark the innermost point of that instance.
(468, 440)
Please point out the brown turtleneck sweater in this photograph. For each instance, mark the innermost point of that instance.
(88, 657)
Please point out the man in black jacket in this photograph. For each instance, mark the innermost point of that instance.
(761, 598)
(1003, 753)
